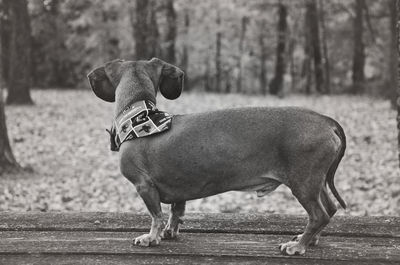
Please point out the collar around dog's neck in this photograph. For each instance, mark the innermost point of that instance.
(134, 109)
(130, 104)
(139, 119)
(126, 96)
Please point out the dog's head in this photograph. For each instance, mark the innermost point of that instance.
(127, 81)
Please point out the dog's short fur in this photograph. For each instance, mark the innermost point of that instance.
(243, 149)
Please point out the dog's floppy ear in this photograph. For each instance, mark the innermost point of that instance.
(105, 79)
(170, 80)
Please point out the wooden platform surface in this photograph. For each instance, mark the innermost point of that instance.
(106, 238)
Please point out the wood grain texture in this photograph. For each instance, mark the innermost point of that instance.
(73, 259)
(106, 238)
(194, 244)
(381, 226)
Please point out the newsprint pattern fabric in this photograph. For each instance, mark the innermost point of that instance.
(140, 119)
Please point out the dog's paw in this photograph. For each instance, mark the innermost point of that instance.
(292, 248)
(169, 233)
(314, 241)
(147, 240)
(171, 230)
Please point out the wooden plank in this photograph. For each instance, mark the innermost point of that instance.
(201, 223)
(372, 249)
(89, 259)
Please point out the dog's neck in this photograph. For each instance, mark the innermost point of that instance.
(126, 99)
(133, 90)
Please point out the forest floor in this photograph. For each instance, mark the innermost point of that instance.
(63, 142)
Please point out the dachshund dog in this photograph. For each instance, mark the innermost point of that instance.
(240, 149)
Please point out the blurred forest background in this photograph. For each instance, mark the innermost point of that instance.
(255, 46)
(336, 57)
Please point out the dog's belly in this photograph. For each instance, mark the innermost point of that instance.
(207, 177)
(181, 191)
(263, 189)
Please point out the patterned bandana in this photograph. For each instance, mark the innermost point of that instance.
(140, 119)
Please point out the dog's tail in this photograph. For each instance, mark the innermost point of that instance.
(332, 170)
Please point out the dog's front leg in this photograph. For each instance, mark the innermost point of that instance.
(171, 230)
(151, 198)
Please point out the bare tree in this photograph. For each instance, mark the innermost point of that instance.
(19, 75)
(393, 59)
(207, 75)
(312, 10)
(263, 60)
(153, 40)
(145, 29)
(292, 43)
(313, 60)
(276, 84)
(327, 76)
(185, 53)
(140, 29)
(243, 27)
(5, 33)
(398, 75)
(358, 49)
(218, 66)
(7, 159)
(171, 32)
(306, 67)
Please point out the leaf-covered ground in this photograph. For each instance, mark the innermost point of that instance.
(62, 139)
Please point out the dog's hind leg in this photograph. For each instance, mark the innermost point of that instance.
(318, 218)
(171, 230)
(151, 198)
(329, 205)
(330, 208)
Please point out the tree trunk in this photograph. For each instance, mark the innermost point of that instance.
(49, 64)
(145, 30)
(207, 78)
(243, 27)
(140, 29)
(228, 80)
(306, 68)
(171, 32)
(326, 72)
(398, 78)
(393, 60)
(292, 66)
(7, 160)
(153, 40)
(20, 54)
(5, 34)
(358, 50)
(218, 67)
(276, 84)
(311, 6)
(185, 54)
(263, 64)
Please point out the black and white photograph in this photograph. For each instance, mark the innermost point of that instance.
(199, 132)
